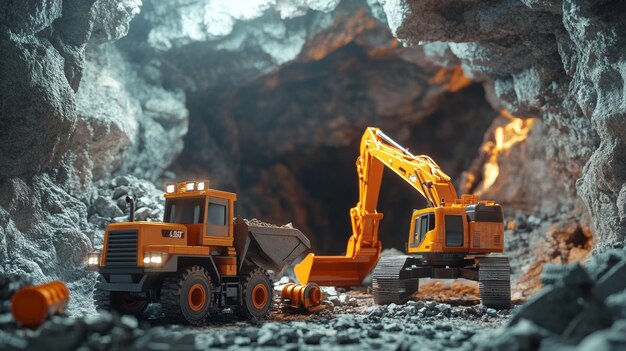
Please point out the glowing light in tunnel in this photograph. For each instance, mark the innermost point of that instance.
(453, 78)
(505, 137)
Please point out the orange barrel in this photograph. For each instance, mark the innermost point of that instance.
(299, 295)
(32, 305)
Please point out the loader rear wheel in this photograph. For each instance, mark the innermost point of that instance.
(494, 281)
(186, 296)
(119, 301)
(257, 295)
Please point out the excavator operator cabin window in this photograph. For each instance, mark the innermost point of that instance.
(431, 221)
(416, 233)
(423, 224)
(454, 230)
(423, 227)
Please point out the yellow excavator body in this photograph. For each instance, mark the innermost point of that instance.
(449, 225)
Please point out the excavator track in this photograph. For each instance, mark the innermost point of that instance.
(388, 286)
(495, 282)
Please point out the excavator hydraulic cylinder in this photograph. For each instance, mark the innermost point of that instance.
(307, 296)
(32, 305)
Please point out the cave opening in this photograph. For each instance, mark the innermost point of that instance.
(314, 185)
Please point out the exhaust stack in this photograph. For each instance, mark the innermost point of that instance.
(131, 215)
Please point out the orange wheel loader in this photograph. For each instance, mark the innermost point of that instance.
(451, 238)
(197, 261)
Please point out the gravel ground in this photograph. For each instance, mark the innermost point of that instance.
(579, 308)
(351, 321)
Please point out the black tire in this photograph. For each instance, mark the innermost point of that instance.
(257, 295)
(120, 301)
(101, 298)
(494, 281)
(186, 297)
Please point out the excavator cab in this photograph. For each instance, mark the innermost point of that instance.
(470, 229)
(438, 229)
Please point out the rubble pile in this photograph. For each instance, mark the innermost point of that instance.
(9, 285)
(103, 331)
(107, 203)
(582, 307)
(538, 239)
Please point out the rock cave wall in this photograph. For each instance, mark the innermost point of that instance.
(546, 58)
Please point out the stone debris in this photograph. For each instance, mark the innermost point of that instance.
(578, 309)
(577, 306)
(259, 223)
(396, 326)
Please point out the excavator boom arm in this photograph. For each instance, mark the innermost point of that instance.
(377, 152)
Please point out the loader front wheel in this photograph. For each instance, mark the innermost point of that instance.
(186, 296)
(120, 301)
(257, 295)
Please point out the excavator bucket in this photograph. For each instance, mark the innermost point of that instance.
(335, 270)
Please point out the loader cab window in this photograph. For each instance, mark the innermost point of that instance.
(217, 214)
(185, 211)
(217, 217)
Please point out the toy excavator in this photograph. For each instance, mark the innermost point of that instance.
(451, 238)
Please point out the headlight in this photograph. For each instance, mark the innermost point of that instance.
(93, 259)
(154, 259)
(170, 188)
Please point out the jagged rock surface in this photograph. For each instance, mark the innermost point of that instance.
(74, 112)
(43, 48)
(578, 309)
(128, 123)
(559, 59)
(199, 44)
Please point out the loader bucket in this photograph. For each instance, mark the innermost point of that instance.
(271, 248)
(335, 270)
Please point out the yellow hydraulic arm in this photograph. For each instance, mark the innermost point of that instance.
(377, 151)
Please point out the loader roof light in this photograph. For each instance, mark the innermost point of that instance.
(187, 186)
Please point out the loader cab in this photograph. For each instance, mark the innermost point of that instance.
(207, 213)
